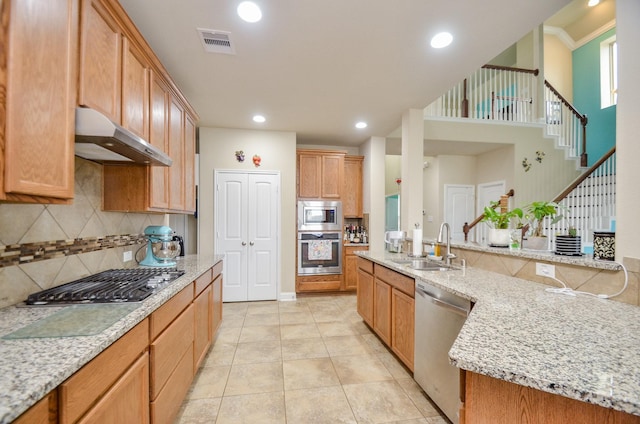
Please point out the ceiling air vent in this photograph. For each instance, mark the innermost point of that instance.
(215, 41)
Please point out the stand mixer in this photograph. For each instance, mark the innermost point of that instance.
(167, 248)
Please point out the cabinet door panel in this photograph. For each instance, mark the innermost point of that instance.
(189, 164)
(382, 310)
(176, 152)
(309, 175)
(203, 325)
(402, 330)
(332, 176)
(365, 296)
(135, 91)
(217, 304)
(168, 348)
(100, 60)
(127, 401)
(352, 195)
(41, 43)
(158, 137)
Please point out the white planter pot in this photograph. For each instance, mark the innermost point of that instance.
(499, 237)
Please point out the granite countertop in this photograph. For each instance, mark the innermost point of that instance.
(541, 255)
(580, 347)
(31, 367)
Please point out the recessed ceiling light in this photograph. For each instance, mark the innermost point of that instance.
(441, 40)
(249, 11)
(361, 125)
(259, 118)
(593, 3)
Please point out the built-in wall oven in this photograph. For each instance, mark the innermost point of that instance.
(319, 253)
(319, 215)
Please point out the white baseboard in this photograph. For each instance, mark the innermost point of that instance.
(287, 296)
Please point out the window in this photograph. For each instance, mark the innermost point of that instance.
(609, 72)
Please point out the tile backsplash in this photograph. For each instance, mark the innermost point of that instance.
(43, 246)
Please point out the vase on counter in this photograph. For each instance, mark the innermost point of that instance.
(499, 237)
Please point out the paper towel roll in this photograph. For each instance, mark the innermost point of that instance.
(417, 242)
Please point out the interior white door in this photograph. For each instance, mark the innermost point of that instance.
(247, 217)
(487, 193)
(458, 208)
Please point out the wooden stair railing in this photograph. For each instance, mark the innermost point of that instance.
(584, 175)
(582, 118)
(504, 206)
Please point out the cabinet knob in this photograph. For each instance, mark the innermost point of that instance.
(244, 243)
(251, 243)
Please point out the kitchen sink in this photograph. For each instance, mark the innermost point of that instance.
(424, 264)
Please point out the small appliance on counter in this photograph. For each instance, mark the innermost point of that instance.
(180, 241)
(394, 241)
(162, 247)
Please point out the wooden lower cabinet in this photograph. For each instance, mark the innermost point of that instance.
(385, 302)
(318, 283)
(203, 329)
(115, 384)
(43, 412)
(145, 375)
(382, 310)
(365, 295)
(402, 326)
(490, 400)
(167, 350)
(216, 287)
(350, 267)
(127, 401)
(165, 407)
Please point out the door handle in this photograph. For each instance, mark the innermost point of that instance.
(251, 243)
(244, 243)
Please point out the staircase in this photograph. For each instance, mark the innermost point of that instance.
(512, 95)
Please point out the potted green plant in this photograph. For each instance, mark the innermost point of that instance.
(498, 221)
(535, 214)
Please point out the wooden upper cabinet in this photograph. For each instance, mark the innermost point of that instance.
(320, 174)
(159, 137)
(100, 60)
(352, 193)
(135, 90)
(176, 152)
(332, 176)
(38, 71)
(114, 73)
(121, 77)
(308, 175)
(189, 164)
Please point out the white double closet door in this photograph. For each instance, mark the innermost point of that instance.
(247, 221)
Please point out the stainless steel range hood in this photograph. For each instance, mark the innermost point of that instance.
(100, 140)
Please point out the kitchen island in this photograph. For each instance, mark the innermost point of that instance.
(578, 347)
(33, 366)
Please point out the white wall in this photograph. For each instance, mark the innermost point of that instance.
(373, 197)
(496, 165)
(430, 198)
(393, 170)
(278, 153)
(558, 65)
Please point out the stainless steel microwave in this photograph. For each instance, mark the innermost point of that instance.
(319, 215)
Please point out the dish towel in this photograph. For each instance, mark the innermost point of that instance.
(319, 250)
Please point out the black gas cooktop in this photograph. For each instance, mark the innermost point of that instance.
(111, 286)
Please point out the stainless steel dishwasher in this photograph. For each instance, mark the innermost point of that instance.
(439, 318)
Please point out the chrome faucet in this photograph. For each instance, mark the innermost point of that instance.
(449, 255)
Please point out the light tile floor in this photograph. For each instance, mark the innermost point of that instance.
(308, 361)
